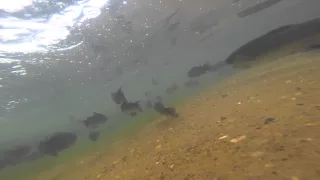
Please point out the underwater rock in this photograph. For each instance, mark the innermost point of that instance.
(269, 120)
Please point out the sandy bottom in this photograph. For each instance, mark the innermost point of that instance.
(225, 133)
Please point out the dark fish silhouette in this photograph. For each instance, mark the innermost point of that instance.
(313, 47)
(154, 82)
(95, 120)
(14, 156)
(118, 97)
(168, 19)
(191, 83)
(197, 71)
(18, 151)
(148, 93)
(159, 98)
(173, 26)
(172, 88)
(94, 136)
(149, 104)
(131, 108)
(298, 34)
(168, 111)
(58, 142)
(258, 7)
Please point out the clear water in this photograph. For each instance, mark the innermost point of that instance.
(60, 60)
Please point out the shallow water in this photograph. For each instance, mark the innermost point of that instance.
(265, 70)
(222, 132)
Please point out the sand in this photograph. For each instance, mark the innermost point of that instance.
(225, 133)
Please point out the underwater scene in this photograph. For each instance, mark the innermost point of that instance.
(160, 90)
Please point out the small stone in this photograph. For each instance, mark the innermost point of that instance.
(222, 118)
(268, 165)
(158, 146)
(269, 120)
(238, 139)
(256, 154)
(223, 137)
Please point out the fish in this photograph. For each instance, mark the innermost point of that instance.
(154, 82)
(292, 37)
(197, 71)
(147, 94)
(191, 83)
(313, 47)
(159, 98)
(118, 97)
(149, 104)
(56, 143)
(168, 111)
(94, 136)
(14, 155)
(18, 151)
(131, 108)
(173, 26)
(172, 88)
(95, 119)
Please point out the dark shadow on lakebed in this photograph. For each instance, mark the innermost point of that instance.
(287, 39)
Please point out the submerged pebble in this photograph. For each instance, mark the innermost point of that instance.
(269, 120)
(238, 139)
